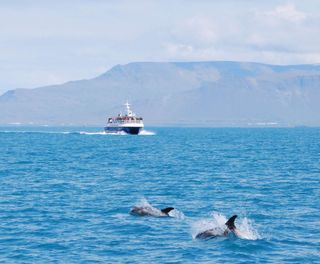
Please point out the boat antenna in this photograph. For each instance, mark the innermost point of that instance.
(127, 105)
(129, 112)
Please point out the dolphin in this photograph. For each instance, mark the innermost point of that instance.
(150, 211)
(218, 232)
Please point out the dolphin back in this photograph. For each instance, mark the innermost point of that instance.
(209, 234)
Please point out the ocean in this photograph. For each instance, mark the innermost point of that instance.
(66, 194)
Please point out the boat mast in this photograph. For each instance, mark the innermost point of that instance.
(129, 112)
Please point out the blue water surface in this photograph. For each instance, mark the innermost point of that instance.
(65, 195)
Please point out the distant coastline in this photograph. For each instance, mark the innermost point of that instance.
(216, 93)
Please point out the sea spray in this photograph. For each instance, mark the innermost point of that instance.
(244, 227)
(143, 202)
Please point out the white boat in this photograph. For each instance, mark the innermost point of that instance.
(128, 123)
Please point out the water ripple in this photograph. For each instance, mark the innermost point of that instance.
(65, 196)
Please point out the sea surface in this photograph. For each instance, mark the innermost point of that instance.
(66, 193)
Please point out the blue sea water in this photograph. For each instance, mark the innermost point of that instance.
(65, 195)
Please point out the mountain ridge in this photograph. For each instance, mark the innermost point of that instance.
(211, 93)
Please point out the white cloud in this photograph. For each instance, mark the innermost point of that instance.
(287, 12)
(280, 34)
(65, 40)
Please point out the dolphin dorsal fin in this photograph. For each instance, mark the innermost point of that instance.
(167, 210)
(230, 222)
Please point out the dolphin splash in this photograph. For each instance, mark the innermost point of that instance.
(151, 211)
(218, 232)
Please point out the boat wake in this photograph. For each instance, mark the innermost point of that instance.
(103, 133)
(244, 230)
(146, 133)
(120, 133)
(38, 132)
(95, 133)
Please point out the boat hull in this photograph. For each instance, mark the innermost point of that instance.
(128, 130)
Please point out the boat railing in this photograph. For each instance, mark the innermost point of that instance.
(132, 121)
(121, 121)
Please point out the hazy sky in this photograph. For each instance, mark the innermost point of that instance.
(48, 42)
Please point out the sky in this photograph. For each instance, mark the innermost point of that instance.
(46, 42)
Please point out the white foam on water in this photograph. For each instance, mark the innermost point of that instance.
(120, 133)
(146, 133)
(244, 227)
(245, 230)
(177, 214)
(92, 133)
(216, 222)
(103, 133)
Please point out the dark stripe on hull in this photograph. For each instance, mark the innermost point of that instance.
(128, 130)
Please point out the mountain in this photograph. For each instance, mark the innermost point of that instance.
(218, 93)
